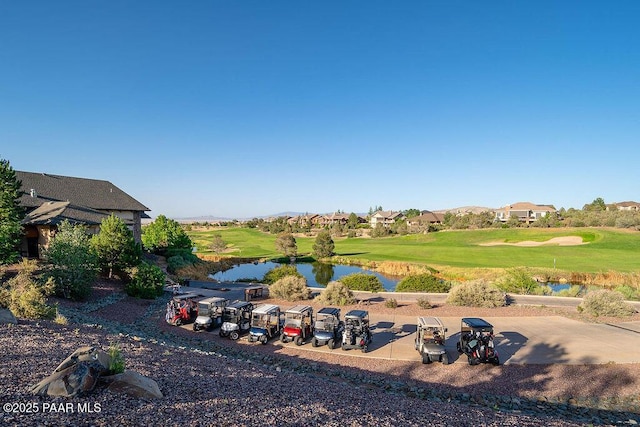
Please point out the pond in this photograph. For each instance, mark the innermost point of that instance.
(317, 274)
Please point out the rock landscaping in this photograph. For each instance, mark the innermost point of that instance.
(203, 380)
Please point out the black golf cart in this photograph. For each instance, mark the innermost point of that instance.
(476, 341)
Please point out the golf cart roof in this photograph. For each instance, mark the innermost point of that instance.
(430, 322)
(476, 322)
(239, 304)
(299, 309)
(182, 297)
(358, 313)
(332, 311)
(212, 300)
(266, 309)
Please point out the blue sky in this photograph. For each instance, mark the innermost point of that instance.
(250, 108)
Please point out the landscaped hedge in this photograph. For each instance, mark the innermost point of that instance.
(362, 282)
(148, 282)
(280, 272)
(476, 293)
(423, 283)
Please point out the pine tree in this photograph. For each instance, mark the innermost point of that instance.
(11, 214)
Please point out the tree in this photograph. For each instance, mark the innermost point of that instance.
(115, 245)
(352, 221)
(286, 244)
(410, 213)
(163, 234)
(218, 245)
(324, 246)
(597, 205)
(72, 263)
(11, 214)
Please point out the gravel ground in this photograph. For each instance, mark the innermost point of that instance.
(207, 380)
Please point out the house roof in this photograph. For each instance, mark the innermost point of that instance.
(92, 193)
(528, 206)
(627, 204)
(53, 213)
(387, 214)
(428, 216)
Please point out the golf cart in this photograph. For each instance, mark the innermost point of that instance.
(182, 309)
(265, 323)
(430, 339)
(236, 319)
(298, 324)
(476, 341)
(210, 311)
(356, 330)
(328, 328)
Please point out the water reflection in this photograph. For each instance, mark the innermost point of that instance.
(317, 274)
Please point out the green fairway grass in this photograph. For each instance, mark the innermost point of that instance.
(603, 249)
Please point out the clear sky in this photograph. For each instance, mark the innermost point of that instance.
(250, 108)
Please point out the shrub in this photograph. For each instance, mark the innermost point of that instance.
(280, 272)
(391, 303)
(476, 293)
(116, 360)
(147, 282)
(362, 282)
(520, 281)
(26, 297)
(290, 288)
(628, 292)
(423, 283)
(604, 302)
(573, 291)
(424, 303)
(336, 293)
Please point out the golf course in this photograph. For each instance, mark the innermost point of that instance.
(569, 250)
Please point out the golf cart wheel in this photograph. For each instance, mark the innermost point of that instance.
(283, 338)
(222, 334)
(472, 361)
(179, 322)
(299, 340)
(234, 335)
(495, 361)
(459, 348)
(263, 339)
(195, 327)
(331, 343)
(314, 342)
(344, 347)
(425, 359)
(364, 349)
(445, 359)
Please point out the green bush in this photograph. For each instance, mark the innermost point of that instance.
(391, 303)
(25, 296)
(424, 303)
(423, 283)
(573, 291)
(147, 282)
(290, 288)
(629, 293)
(116, 360)
(362, 282)
(476, 293)
(336, 293)
(280, 272)
(604, 302)
(520, 281)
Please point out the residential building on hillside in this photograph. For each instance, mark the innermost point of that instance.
(386, 218)
(525, 211)
(425, 219)
(624, 206)
(51, 199)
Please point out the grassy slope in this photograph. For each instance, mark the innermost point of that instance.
(607, 249)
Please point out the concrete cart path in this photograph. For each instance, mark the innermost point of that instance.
(521, 340)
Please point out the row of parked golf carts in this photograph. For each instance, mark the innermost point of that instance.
(264, 322)
(299, 324)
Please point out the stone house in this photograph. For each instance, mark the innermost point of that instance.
(51, 199)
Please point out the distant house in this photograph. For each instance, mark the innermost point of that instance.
(386, 218)
(51, 199)
(304, 220)
(525, 211)
(626, 206)
(425, 219)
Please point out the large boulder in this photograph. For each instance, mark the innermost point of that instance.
(76, 375)
(6, 316)
(133, 384)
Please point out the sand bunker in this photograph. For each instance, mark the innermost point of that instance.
(559, 241)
